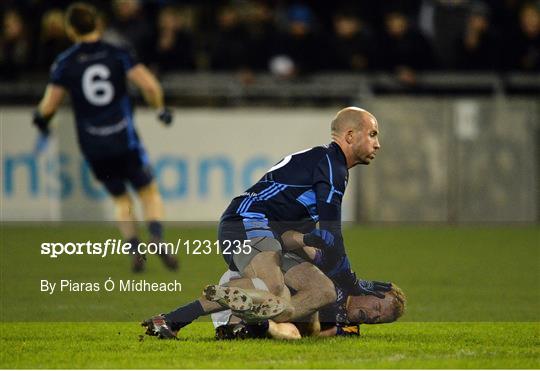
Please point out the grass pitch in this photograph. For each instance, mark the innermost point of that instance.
(473, 302)
(399, 345)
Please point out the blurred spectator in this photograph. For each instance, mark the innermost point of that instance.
(478, 47)
(524, 49)
(53, 39)
(262, 31)
(133, 27)
(229, 43)
(443, 21)
(299, 50)
(404, 49)
(174, 49)
(290, 37)
(14, 44)
(352, 43)
(506, 15)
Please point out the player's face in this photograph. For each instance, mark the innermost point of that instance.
(370, 309)
(365, 142)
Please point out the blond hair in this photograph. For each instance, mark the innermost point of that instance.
(399, 302)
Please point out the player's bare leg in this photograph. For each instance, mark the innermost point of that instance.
(166, 326)
(125, 216)
(153, 214)
(123, 209)
(251, 305)
(314, 291)
(266, 267)
(151, 202)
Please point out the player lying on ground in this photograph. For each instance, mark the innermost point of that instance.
(313, 290)
(96, 75)
(333, 320)
(357, 310)
(341, 317)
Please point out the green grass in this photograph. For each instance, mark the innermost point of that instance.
(399, 345)
(473, 302)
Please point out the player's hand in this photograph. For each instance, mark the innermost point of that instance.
(319, 238)
(41, 122)
(165, 116)
(375, 288)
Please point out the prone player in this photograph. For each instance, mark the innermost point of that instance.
(340, 316)
(355, 311)
(250, 299)
(95, 74)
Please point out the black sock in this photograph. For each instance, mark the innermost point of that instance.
(134, 244)
(184, 315)
(156, 229)
(258, 330)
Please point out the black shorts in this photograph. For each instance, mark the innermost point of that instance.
(115, 171)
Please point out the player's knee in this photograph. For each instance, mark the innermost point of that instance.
(325, 290)
(276, 287)
(328, 294)
(150, 191)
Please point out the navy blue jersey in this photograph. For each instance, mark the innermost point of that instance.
(305, 186)
(95, 76)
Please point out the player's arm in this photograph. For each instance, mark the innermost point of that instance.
(151, 90)
(292, 240)
(52, 99)
(332, 259)
(329, 190)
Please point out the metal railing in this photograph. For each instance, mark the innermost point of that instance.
(203, 88)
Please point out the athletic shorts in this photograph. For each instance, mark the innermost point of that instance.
(253, 228)
(290, 260)
(115, 172)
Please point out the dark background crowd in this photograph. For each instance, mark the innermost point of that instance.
(288, 38)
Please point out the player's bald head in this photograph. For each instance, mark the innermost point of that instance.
(350, 118)
(356, 131)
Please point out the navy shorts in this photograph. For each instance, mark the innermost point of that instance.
(114, 172)
(234, 230)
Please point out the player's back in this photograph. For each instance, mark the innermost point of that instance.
(95, 76)
(289, 190)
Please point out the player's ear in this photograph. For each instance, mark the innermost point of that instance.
(349, 136)
(70, 32)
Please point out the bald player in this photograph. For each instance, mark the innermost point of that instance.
(303, 189)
